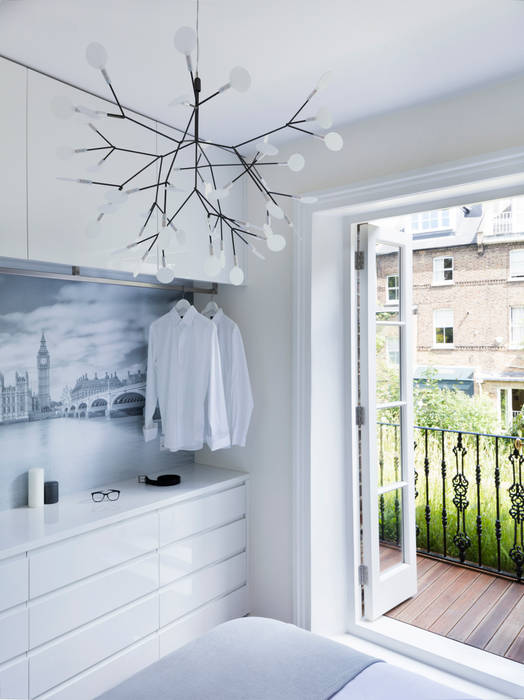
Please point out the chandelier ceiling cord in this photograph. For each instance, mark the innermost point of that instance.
(165, 193)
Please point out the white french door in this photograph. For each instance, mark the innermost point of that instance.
(385, 417)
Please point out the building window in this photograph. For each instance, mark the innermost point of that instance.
(392, 288)
(443, 324)
(503, 222)
(442, 270)
(516, 264)
(393, 350)
(436, 220)
(517, 326)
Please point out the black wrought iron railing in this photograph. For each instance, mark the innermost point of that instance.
(469, 496)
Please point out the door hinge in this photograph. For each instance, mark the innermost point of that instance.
(359, 260)
(363, 575)
(359, 415)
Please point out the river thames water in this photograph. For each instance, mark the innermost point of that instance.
(80, 453)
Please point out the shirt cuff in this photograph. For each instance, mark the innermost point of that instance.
(150, 432)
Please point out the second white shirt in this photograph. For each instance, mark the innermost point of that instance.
(184, 376)
(237, 387)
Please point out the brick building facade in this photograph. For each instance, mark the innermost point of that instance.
(468, 296)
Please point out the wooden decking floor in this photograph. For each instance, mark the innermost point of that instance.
(473, 607)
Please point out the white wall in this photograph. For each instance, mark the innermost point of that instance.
(477, 122)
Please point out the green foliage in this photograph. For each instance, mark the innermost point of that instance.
(446, 408)
(455, 411)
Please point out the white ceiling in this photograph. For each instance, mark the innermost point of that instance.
(385, 54)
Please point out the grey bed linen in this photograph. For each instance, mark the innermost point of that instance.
(248, 659)
(387, 682)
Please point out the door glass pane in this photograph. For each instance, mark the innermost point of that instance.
(387, 364)
(388, 315)
(388, 275)
(389, 446)
(390, 529)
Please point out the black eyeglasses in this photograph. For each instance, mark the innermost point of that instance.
(110, 494)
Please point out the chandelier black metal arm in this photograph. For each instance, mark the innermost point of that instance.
(205, 183)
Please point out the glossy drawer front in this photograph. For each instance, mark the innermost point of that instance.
(13, 582)
(67, 656)
(13, 680)
(77, 557)
(187, 519)
(105, 675)
(73, 606)
(192, 591)
(185, 556)
(191, 626)
(13, 633)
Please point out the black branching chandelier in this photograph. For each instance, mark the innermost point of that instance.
(168, 199)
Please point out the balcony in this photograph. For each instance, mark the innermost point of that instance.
(470, 534)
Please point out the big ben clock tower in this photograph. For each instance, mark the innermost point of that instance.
(43, 365)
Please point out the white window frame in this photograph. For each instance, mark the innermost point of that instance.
(393, 302)
(512, 342)
(517, 252)
(417, 220)
(326, 590)
(437, 281)
(444, 344)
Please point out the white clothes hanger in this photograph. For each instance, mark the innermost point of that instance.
(210, 309)
(182, 306)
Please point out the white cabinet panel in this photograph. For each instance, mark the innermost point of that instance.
(59, 212)
(75, 558)
(185, 519)
(13, 680)
(181, 558)
(92, 683)
(192, 591)
(73, 606)
(177, 634)
(77, 651)
(13, 633)
(13, 581)
(13, 222)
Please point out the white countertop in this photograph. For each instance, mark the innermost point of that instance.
(23, 529)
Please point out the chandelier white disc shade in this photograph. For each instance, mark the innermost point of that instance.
(246, 160)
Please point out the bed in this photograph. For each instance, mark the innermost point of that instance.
(261, 659)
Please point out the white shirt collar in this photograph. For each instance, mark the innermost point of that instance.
(188, 317)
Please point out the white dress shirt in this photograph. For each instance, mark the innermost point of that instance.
(235, 374)
(184, 376)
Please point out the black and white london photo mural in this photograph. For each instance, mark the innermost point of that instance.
(73, 361)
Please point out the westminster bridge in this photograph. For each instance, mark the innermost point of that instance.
(111, 402)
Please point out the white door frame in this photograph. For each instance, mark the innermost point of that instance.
(490, 176)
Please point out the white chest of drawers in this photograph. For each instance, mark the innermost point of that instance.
(92, 593)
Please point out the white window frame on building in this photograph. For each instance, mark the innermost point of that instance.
(443, 269)
(434, 220)
(395, 298)
(503, 221)
(393, 350)
(516, 327)
(443, 323)
(506, 404)
(516, 264)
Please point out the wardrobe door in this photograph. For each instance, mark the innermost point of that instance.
(13, 222)
(61, 212)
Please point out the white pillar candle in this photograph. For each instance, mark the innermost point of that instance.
(35, 488)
